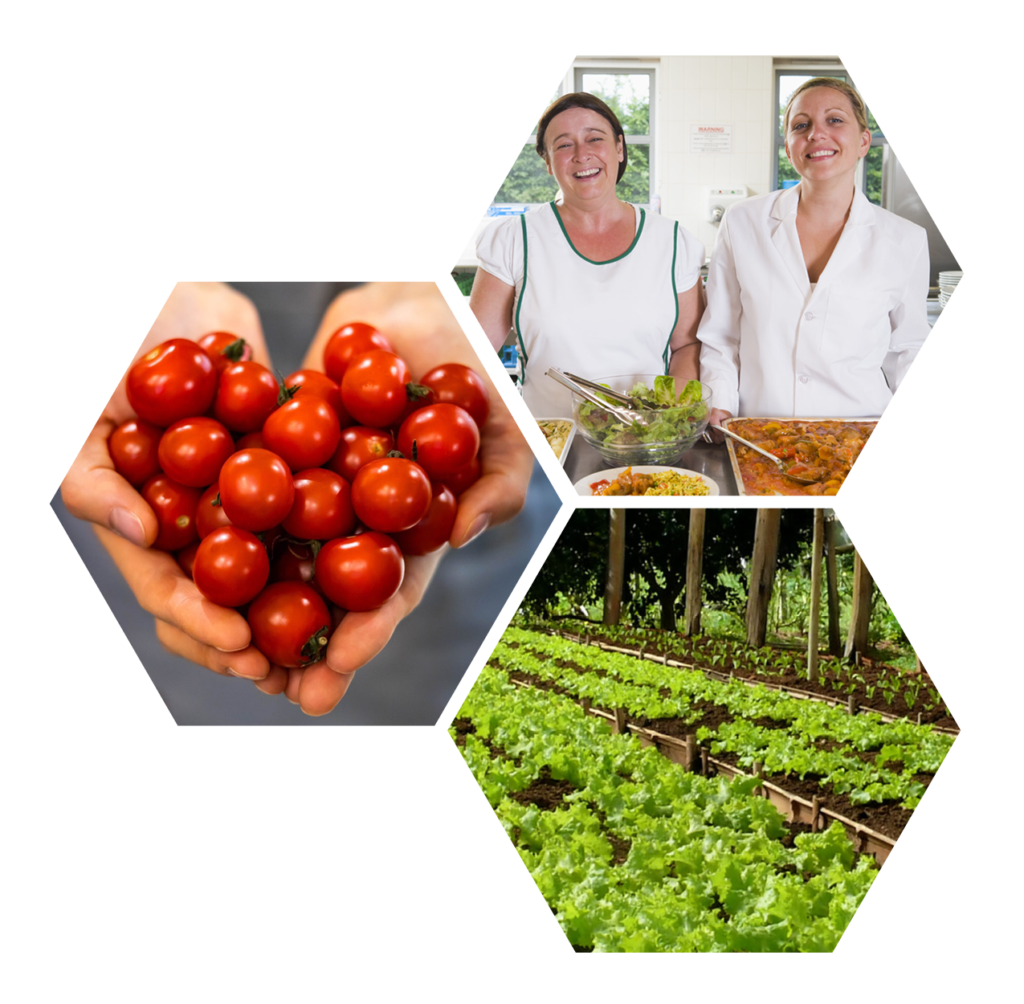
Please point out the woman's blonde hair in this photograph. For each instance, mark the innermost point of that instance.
(856, 101)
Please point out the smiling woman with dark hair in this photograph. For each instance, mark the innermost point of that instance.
(589, 283)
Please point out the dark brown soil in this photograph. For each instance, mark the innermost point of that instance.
(546, 793)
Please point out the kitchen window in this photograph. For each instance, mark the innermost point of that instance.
(629, 92)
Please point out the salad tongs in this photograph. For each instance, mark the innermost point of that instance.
(625, 399)
(627, 415)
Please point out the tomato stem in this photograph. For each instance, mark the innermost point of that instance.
(236, 350)
(313, 650)
(285, 394)
(417, 391)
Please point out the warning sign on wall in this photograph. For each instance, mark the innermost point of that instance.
(711, 139)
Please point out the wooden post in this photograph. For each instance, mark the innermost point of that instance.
(691, 752)
(817, 545)
(762, 574)
(857, 639)
(619, 728)
(694, 571)
(616, 564)
(835, 644)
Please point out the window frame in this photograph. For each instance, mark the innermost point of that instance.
(572, 81)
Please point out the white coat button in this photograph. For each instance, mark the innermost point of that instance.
(804, 378)
(808, 316)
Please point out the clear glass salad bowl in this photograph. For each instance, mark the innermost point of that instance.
(671, 418)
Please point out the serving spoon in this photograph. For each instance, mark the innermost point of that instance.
(764, 453)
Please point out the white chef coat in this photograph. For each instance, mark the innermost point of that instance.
(774, 345)
(594, 319)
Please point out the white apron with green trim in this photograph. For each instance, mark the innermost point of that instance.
(595, 319)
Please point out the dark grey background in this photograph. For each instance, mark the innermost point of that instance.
(267, 830)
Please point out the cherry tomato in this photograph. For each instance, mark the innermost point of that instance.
(246, 395)
(359, 445)
(391, 494)
(321, 385)
(441, 438)
(193, 450)
(304, 432)
(231, 566)
(322, 507)
(432, 532)
(210, 517)
(290, 624)
(454, 383)
(133, 448)
(256, 489)
(173, 381)
(349, 341)
(360, 573)
(186, 558)
(294, 563)
(225, 349)
(463, 478)
(175, 508)
(373, 388)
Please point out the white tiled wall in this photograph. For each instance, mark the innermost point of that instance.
(712, 90)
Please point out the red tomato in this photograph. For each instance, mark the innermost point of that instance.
(294, 563)
(373, 388)
(359, 445)
(187, 557)
(360, 573)
(210, 517)
(454, 383)
(193, 450)
(246, 395)
(175, 508)
(133, 448)
(321, 385)
(231, 566)
(441, 438)
(225, 349)
(391, 494)
(290, 624)
(304, 432)
(348, 341)
(256, 489)
(322, 507)
(173, 381)
(463, 478)
(432, 532)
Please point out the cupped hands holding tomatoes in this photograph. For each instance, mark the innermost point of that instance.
(323, 461)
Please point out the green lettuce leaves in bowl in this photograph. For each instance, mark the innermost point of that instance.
(671, 416)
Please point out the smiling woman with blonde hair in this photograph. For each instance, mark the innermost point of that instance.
(816, 297)
(589, 283)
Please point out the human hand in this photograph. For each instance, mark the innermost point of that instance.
(718, 416)
(186, 623)
(416, 320)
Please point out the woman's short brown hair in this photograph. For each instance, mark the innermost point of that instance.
(581, 99)
(860, 113)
